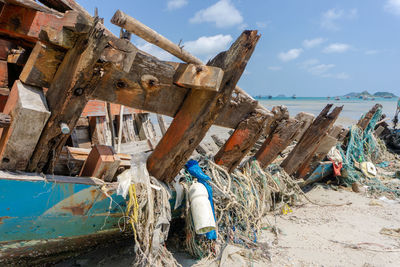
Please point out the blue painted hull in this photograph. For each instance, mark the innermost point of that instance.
(40, 210)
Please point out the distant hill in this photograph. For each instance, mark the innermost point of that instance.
(367, 94)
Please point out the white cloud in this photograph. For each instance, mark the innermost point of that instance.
(274, 68)
(223, 14)
(392, 6)
(313, 42)
(371, 52)
(330, 18)
(290, 55)
(154, 50)
(207, 46)
(176, 4)
(336, 48)
(314, 67)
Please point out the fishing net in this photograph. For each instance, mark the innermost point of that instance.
(364, 146)
(241, 201)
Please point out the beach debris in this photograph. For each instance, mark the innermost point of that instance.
(390, 231)
(368, 169)
(202, 213)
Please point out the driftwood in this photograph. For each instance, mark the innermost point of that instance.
(242, 140)
(199, 111)
(309, 142)
(364, 121)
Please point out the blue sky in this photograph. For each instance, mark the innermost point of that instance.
(308, 47)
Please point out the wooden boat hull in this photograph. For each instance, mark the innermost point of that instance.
(39, 218)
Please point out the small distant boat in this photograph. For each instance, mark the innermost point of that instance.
(270, 97)
(337, 98)
(328, 97)
(365, 97)
(387, 96)
(294, 96)
(347, 97)
(373, 98)
(360, 97)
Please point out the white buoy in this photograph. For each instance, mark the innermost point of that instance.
(203, 217)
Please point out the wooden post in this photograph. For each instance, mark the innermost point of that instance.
(277, 141)
(364, 121)
(68, 94)
(199, 111)
(242, 140)
(161, 124)
(28, 109)
(311, 139)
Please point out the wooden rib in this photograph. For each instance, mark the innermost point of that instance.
(309, 142)
(276, 142)
(242, 140)
(364, 121)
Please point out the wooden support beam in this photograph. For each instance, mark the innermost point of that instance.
(277, 141)
(364, 121)
(307, 119)
(199, 111)
(242, 140)
(28, 109)
(199, 77)
(42, 65)
(32, 25)
(102, 162)
(68, 94)
(145, 126)
(311, 139)
(29, 4)
(65, 5)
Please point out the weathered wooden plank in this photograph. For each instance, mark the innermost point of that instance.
(307, 119)
(311, 139)
(68, 94)
(364, 121)
(145, 126)
(199, 111)
(42, 65)
(277, 141)
(32, 25)
(65, 5)
(28, 109)
(102, 162)
(199, 77)
(242, 140)
(33, 5)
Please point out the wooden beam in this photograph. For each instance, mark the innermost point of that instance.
(242, 140)
(3, 74)
(311, 139)
(29, 4)
(364, 121)
(307, 119)
(199, 77)
(68, 94)
(199, 111)
(32, 25)
(42, 65)
(277, 141)
(28, 109)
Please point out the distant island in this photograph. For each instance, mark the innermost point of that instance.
(366, 94)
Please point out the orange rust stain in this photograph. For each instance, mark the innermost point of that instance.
(237, 139)
(79, 209)
(3, 218)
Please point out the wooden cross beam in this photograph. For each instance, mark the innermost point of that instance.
(199, 111)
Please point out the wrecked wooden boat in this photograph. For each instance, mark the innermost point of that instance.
(76, 100)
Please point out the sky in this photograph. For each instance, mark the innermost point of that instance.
(307, 48)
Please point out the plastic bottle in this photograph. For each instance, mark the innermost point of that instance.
(202, 214)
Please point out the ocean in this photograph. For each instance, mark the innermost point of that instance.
(353, 108)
